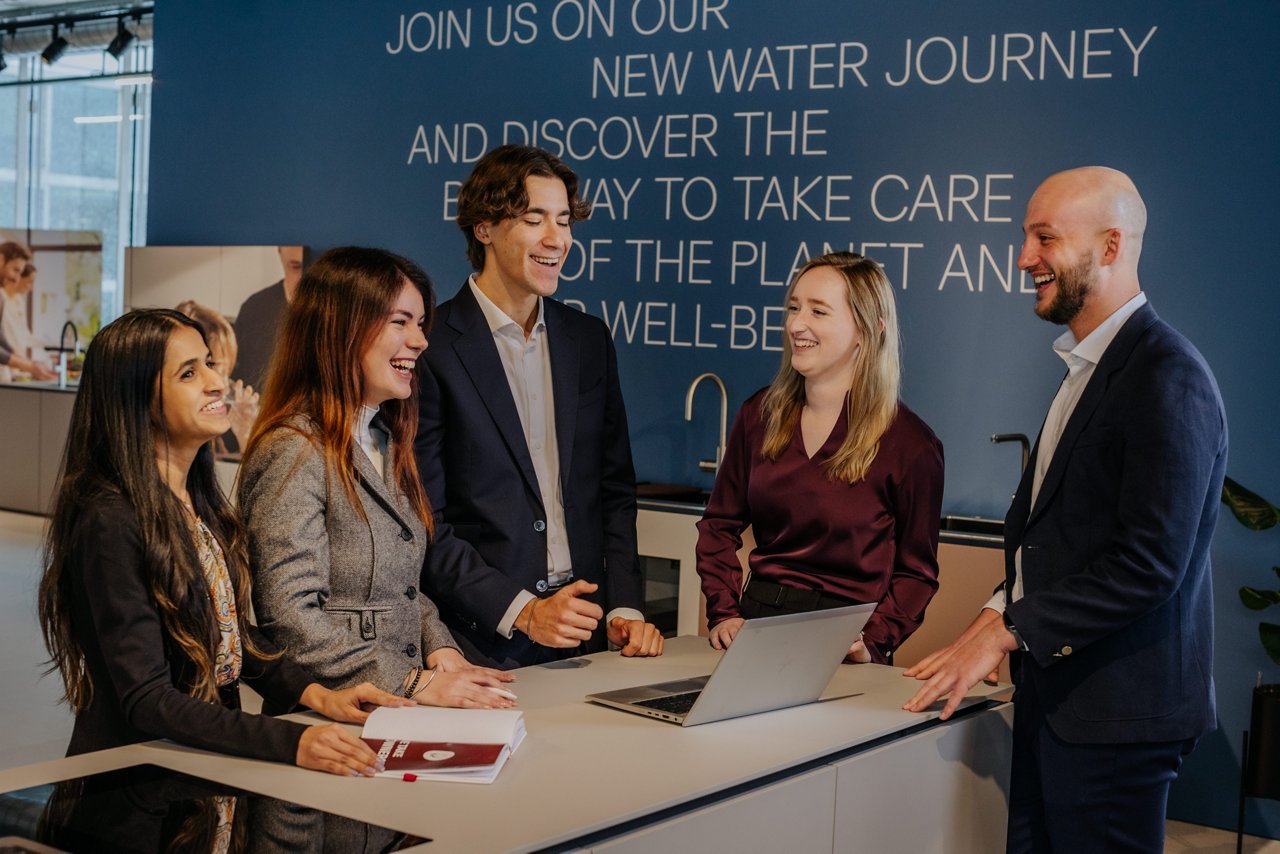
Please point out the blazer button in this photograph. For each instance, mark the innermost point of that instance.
(411, 650)
(410, 592)
(1066, 650)
(541, 586)
(539, 526)
(406, 534)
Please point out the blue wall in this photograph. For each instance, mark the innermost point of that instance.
(296, 122)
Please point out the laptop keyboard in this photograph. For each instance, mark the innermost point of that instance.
(676, 703)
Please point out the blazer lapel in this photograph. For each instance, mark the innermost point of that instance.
(565, 368)
(377, 485)
(479, 357)
(1113, 360)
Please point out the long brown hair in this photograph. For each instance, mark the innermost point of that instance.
(872, 401)
(342, 302)
(116, 427)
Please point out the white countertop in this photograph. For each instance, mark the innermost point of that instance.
(583, 768)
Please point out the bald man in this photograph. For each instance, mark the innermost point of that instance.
(1107, 602)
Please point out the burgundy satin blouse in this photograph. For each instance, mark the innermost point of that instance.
(871, 541)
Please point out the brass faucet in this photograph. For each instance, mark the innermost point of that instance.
(710, 465)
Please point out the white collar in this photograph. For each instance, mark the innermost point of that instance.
(363, 419)
(499, 319)
(1095, 344)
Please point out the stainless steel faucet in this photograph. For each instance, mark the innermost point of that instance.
(75, 338)
(62, 350)
(710, 465)
(1021, 439)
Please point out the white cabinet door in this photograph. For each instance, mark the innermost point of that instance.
(945, 789)
(794, 816)
(55, 420)
(19, 449)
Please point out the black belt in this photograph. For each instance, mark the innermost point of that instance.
(792, 598)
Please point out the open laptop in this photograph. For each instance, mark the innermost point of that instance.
(773, 663)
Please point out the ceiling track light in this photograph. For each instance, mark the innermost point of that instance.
(121, 42)
(56, 48)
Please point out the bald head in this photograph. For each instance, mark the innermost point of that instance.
(1082, 238)
(1097, 198)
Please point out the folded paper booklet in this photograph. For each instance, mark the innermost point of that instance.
(454, 745)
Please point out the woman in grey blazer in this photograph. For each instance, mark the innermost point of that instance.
(144, 599)
(337, 520)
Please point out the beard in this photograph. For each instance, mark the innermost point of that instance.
(1074, 284)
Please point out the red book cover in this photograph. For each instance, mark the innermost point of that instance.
(417, 756)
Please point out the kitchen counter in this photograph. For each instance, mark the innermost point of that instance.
(970, 566)
(34, 418)
(41, 385)
(844, 774)
(691, 501)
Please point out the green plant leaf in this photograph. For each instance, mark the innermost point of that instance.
(1255, 599)
(1254, 512)
(1270, 634)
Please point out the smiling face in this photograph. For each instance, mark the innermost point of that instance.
(388, 364)
(191, 393)
(1061, 243)
(524, 254)
(820, 327)
(1065, 290)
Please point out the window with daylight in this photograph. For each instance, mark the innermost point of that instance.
(74, 150)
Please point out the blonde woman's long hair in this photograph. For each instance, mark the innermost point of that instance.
(872, 402)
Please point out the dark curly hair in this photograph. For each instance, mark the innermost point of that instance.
(495, 190)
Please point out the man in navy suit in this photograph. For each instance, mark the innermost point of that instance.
(522, 439)
(1107, 605)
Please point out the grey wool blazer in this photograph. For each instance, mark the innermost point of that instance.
(338, 593)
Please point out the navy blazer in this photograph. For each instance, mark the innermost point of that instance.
(1118, 604)
(491, 539)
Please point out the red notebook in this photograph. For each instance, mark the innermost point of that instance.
(453, 745)
(410, 756)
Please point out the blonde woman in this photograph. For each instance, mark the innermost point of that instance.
(840, 482)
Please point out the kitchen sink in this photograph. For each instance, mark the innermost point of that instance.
(974, 530)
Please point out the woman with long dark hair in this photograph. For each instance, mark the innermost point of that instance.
(338, 521)
(241, 399)
(145, 596)
(840, 482)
